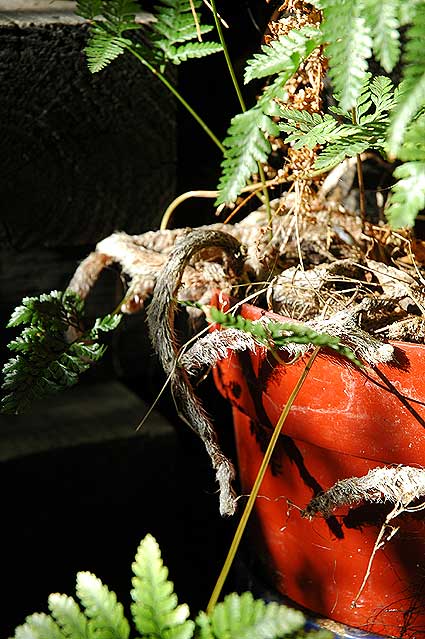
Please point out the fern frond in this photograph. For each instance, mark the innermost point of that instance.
(243, 616)
(335, 153)
(341, 138)
(245, 145)
(412, 90)
(174, 24)
(68, 616)
(39, 626)
(384, 98)
(382, 17)
(104, 324)
(279, 334)
(156, 612)
(103, 48)
(349, 47)
(120, 15)
(408, 194)
(192, 50)
(110, 19)
(106, 615)
(57, 309)
(267, 101)
(247, 142)
(46, 362)
(413, 148)
(106, 41)
(88, 9)
(406, 11)
(284, 54)
(310, 129)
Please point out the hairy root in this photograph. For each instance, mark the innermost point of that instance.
(401, 486)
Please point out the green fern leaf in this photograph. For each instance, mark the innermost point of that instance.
(337, 152)
(88, 9)
(103, 47)
(39, 626)
(349, 47)
(46, 362)
(192, 50)
(283, 55)
(156, 612)
(106, 41)
(242, 617)
(408, 194)
(105, 325)
(203, 627)
(267, 102)
(106, 615)
(245, 145)
(406, 11)
(68, 616)
(341, 138)
(382, 17)
(413, 148)
(120, 15)
(384, 98)
(174, 24)
(412, 90)
(247, 142)
(311, 129)
(277, 334)
(58, 310)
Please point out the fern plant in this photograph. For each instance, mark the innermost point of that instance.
(275, 335)
(156, 613)
(351, 32)
(46, 361)
(370, 114)
(170, 38)
(247, 140)
(344, 134)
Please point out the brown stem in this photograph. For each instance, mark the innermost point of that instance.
(257, 484)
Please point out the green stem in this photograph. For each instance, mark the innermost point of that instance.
(227, 56)
(241, 100)
(257, 484)
(266, 197)
(179, 97)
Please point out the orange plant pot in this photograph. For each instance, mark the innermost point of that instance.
(343, 423)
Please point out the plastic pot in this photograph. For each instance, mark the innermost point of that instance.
(344, 422)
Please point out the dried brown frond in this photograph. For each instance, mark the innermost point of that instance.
(208, 350)
(401, 485)
(305, 93)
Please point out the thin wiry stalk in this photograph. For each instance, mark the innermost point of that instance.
(196, 21)
(178, 200)
(257, 484)
(179, 97)
(360, 179)
(241, 101)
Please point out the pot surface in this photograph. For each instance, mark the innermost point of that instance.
(344, 422)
